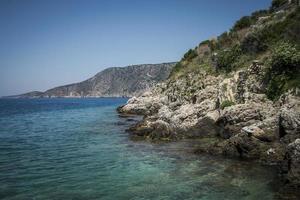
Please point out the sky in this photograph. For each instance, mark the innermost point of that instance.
(48, 43)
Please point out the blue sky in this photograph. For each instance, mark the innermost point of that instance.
(44, 43)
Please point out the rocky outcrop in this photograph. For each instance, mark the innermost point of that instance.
(289, 118)
(212, 94)
(112, 82)
(251, 127)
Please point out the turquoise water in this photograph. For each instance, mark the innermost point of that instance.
(78, 149)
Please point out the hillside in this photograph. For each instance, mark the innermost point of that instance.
(270, 37)
(237, 94)
(111, 82)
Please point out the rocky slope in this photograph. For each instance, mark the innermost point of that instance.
(237, 107)
(112, 82)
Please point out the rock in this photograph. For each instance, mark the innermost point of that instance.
(273, 154)
(258, 133)
(289, 118)
(206, 126)
(252, 131)
(147, 104)
(235, 117)
(161, 130)
(293, 159)
(271, 151)
(243, 146)
(141, 129)
(213, 115)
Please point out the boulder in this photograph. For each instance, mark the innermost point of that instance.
(235, 117)
(147, 104)
(289, 119)
(258, 133)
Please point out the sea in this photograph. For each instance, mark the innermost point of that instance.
(79, 149)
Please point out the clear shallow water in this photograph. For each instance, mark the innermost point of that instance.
(78, 149)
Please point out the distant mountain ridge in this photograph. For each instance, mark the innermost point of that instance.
(111, 82)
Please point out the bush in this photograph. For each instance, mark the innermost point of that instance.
(226, 39)
(291, 26)
(275, 87)
(253, 43)
(227, 58)
(176, 69)
(278, 3)
(261, 40)
(226, 103)
(257, 14)
(244, 22)
(285, 59)
(204, 42)
(284, 71)
(188, 56)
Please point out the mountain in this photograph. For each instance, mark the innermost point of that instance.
(237, 95)
(111, 82)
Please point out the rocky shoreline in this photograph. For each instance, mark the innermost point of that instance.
(250, 126)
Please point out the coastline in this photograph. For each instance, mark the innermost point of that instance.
(254, 128)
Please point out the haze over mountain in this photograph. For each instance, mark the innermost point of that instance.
(111, 82)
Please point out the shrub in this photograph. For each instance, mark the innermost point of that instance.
(292, 26)
(176, 69)
(244, 22)
(204, 42)
(253, 43)
(226, 40)
(284, 71)
(275, 87)
(188, 56)
(226, 103)
(257, 14)
(285, 59)
(277, 3)
(261, 40)
(227, 58)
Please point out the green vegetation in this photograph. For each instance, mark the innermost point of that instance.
(176, 69)
(290, 27)
(247, 21)
(225, 40)
(255, 37)
(257, 14)
(262, 39)
(285, 59)
(244, 22)
(226, 59)
(205, 42)
(253, 43)
(226, 103)
(278, 3)
(284, 70)
(188, 56)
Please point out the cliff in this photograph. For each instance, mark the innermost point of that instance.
(241, 90)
